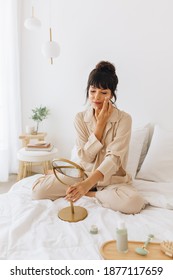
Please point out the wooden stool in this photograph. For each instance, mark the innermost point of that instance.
(28, 158)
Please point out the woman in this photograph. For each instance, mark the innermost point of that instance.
(102, 142)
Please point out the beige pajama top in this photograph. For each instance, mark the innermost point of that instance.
(108, 156)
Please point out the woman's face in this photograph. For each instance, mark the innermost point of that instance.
(97, 96)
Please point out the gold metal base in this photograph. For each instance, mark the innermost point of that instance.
(78, 214)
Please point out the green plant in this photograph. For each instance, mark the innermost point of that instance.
(39, 114)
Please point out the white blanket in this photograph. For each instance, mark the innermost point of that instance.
(32, 230)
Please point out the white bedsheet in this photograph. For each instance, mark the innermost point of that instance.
(157, 194)
(32, 230)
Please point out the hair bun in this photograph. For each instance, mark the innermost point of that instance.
(106, 66)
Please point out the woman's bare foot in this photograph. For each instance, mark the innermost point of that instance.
(90, 194)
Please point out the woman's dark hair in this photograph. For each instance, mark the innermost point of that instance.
(104, 77)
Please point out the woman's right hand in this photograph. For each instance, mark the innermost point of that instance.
(76, 191)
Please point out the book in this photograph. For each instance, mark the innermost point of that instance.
(39, 148)
(39, 144)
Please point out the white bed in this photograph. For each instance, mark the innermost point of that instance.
(32, 230)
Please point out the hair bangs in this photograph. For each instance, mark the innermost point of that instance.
(100, 80)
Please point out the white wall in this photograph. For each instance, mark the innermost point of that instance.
(136, 35)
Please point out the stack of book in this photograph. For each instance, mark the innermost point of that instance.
(39, 146)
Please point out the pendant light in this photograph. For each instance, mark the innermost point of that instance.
(50, 49)
(32, 23)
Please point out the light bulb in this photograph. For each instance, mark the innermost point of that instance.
(50, 49)
(32, 23)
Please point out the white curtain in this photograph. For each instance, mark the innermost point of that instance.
(10, 104)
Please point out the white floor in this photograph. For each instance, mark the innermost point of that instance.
(5, 186)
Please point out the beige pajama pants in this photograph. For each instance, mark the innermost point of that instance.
(118, 197)
(121, 197)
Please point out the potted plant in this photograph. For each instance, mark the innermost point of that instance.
(39, 114)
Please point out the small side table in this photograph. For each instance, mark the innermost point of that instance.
(28, 158)
(27, 137)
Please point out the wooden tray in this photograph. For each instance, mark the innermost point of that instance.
(109, 252)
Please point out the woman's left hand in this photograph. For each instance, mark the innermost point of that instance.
(77, 190)
(103, 115)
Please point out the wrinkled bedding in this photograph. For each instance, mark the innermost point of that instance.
(32, 230)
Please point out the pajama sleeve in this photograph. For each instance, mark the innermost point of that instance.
(87, 144)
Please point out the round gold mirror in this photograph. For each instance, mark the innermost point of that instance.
(68, 173)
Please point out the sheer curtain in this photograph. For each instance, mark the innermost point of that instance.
(10, 104)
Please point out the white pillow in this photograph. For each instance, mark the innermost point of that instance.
(139, 137)
(146, 143)
(158, 163)
(74, 155)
